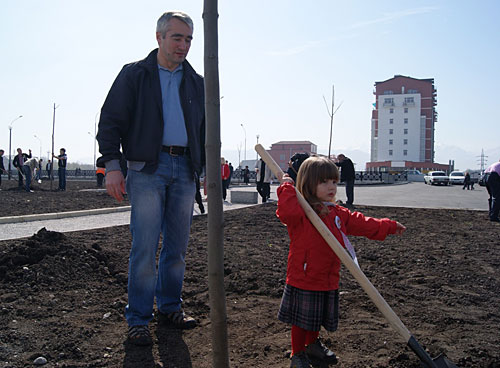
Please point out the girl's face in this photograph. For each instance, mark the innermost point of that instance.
(326, 190)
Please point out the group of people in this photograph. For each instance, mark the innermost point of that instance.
(154, 118)
(29, 168)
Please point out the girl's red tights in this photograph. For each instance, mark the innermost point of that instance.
(301, 338)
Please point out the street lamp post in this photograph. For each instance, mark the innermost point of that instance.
(257, 156)
(10, 140)
(39, 140)
(93, 136)
(245, 140)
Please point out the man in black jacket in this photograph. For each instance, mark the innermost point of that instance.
(347, 175)
(18, 163)
(155, 113)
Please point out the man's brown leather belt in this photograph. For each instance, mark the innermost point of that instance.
(175, 150)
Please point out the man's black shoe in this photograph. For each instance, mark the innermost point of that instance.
(177, 319)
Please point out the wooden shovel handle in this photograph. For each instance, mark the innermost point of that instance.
(339, 250)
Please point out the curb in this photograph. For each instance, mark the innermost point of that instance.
(61, 215)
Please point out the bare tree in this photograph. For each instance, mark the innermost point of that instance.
(331, 116)
(218, 315)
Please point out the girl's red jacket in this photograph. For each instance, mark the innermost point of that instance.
(312, 264)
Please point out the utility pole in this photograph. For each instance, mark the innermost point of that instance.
(53, 133)
(482, 160)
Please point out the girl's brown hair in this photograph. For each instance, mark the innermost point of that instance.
(313, 171)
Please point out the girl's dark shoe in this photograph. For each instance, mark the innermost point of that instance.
(300, 360)
(318, 353)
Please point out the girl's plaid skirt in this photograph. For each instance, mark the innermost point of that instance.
(310, 309)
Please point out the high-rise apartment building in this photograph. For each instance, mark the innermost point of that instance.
(402, 132)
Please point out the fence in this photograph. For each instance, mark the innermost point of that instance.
(237, 178)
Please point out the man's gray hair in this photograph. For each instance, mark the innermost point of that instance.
(163, 22)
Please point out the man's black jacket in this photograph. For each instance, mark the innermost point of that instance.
(16, 162)
(132, 115)
(347, 171)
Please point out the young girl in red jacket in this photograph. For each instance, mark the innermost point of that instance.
(310, 299)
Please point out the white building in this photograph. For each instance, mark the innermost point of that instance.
(402, 130)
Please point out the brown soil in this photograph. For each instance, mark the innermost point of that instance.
(62, 295)
(79, 195)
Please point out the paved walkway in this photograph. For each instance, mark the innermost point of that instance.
(414, 195)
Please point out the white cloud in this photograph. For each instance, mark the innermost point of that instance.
(394, 16)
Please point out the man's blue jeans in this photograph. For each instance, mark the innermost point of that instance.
(61, 172)
(27, 175)
(161, 203)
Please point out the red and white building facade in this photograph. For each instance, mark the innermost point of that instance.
(403, 124)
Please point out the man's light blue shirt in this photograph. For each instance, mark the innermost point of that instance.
(174, 128)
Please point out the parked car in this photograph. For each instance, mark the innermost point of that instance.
(414, 175)
(436, 177)
(457, 177)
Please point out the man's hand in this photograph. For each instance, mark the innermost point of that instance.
(115, 184)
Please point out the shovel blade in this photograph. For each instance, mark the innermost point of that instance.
(442, 362)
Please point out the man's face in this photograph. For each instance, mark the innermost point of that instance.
(19, 151)
(175, 46)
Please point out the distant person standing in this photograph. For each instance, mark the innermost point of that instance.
(263, 180)
(246, 175)
(18, 163)
(39, 170)
(467, 181)
(48, 168)
(61, 170)
(347, 175)
(2, 168)
(493, 186)
(224, 168)
(231, 170)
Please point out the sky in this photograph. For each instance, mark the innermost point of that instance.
(278, 63)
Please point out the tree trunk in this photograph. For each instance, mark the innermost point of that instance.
(218, 316)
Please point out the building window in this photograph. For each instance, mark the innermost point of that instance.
(409, 101)
(391, 121)
(391, 111)
(406, 120)
(391, 131)
(282, 157)
(390, 142)
(412, 91)
(406, 131)
(406, 110)
(405, 141)
(405, 152)
(388, 92)
(390, 152)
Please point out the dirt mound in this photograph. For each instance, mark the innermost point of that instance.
(62, 295)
